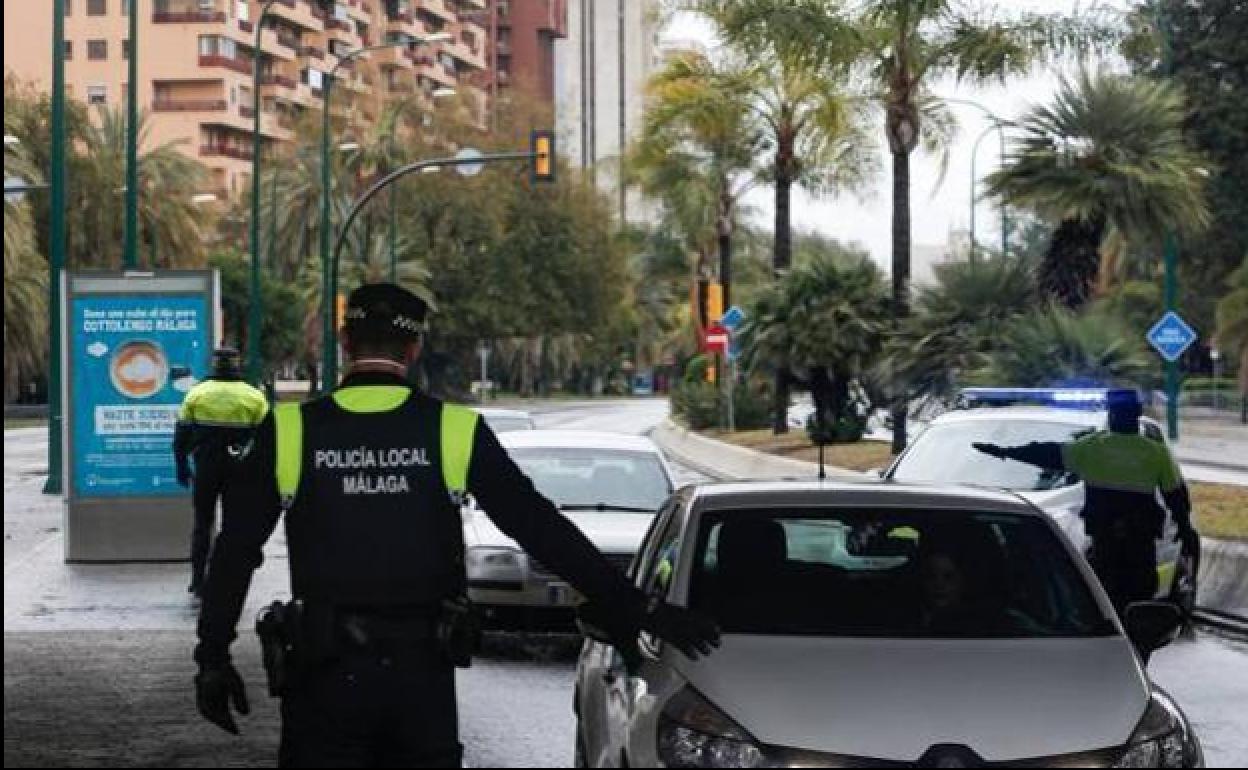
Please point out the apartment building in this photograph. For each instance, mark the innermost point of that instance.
(196, 61)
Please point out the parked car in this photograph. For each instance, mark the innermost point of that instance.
(610, 485)
(507, 420)
(869, 625)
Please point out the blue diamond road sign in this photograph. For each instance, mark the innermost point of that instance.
(732, 318)
(1171, 336)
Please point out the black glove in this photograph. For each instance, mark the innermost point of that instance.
(992, 450)
(184, 475)
(215, 688)
(691, 633)
(1188, 537)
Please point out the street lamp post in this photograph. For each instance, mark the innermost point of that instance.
(1171, 253)
(394, 229)
(56, 242)
(998, 124)
(329, 283)
(130, 256)
(254, 310)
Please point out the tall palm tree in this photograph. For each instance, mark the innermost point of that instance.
(905, 47)
(1107, 159)
(698, 151)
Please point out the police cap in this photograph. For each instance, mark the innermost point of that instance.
(226, 359)
(1124, 401)
(385, 310)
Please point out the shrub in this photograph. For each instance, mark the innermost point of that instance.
(697, 403)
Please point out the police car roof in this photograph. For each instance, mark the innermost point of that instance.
(575, 439)
(861, 494)
(1092, 418)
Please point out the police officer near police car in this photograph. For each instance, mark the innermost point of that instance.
(369, 479)
(1122, 471)
(217, 414)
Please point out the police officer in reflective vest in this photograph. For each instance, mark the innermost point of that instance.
(216, 414)
(369, 479)
(1122, 472)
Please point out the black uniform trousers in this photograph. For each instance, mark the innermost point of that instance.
(374, 707)
(1126, 567)
(207, 487)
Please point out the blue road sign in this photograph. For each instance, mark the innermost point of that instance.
(1171, 336)
(732, 318)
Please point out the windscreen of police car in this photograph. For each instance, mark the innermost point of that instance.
(944, 454)
(584, 478)
(890, 574)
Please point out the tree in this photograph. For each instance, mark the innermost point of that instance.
(1106, 158)
(822, 326)
(957, 323)
(1206, 42)
(1053, 346)
(281, 334)
(25, 279)
(1233, 322)
(906, 46)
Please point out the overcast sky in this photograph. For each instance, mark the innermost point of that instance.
(934, 211)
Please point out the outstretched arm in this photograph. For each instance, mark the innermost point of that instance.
(1042, 454)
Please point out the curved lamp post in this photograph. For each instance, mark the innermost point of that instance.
(399, 109)
(998, 124)
(329, 282)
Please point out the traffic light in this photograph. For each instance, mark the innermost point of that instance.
(542, 145)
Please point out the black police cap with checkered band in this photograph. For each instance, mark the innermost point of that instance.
(385, 309)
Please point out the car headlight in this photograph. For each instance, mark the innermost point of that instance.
(693, 733)
(494, 563)
(1163, 738)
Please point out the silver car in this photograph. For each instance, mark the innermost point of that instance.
(869, 625)
(610, 485)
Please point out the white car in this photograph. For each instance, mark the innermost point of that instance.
(610, 485)
(507, 420)
(943, 454)
(869, 625)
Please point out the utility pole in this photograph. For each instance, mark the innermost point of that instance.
(56, 239)
(130, 253)
(1171, 251)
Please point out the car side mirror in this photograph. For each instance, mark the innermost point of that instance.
(1151, 626)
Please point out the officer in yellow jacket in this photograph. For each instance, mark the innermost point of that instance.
(1122, 472)
(218, 413)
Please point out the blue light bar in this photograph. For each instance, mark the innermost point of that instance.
(1063, 398)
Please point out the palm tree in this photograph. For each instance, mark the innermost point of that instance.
(698, 152)
(169, 219)
(1107, 159)
(25, 279)
(1232, 327)
(1054, 346)
(957, 323)
(822, 325)
(905, 46)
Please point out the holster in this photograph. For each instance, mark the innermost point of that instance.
(458, 631)
(276, 646)
(295, 639)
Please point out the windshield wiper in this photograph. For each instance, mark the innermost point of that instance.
(603, 507)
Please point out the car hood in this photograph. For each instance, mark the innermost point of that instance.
(894, 699)
(609, 532)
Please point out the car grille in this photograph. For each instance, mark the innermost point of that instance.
(539, 571)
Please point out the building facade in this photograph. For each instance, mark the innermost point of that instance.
(601, 68)
(196, 57)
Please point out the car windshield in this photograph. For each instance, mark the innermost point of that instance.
(603, 479)
(890, 574)
(506, 424)
(943, 454)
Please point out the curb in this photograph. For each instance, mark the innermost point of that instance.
(1223, 563)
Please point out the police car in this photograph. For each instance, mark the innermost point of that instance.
(610, 485)
(878, 625)
(943, 453)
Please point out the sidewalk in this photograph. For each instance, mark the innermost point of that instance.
(1217, 443)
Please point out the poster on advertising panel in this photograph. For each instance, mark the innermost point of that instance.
(135, 344)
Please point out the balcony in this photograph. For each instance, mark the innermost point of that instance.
(278, 81)
(242, 66)
(189, 105)
(224, 151)
(437, 8)
(312, 52)
(246, 112)
(188, 17)
(303, 15)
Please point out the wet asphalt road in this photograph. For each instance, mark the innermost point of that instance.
(98, 672)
